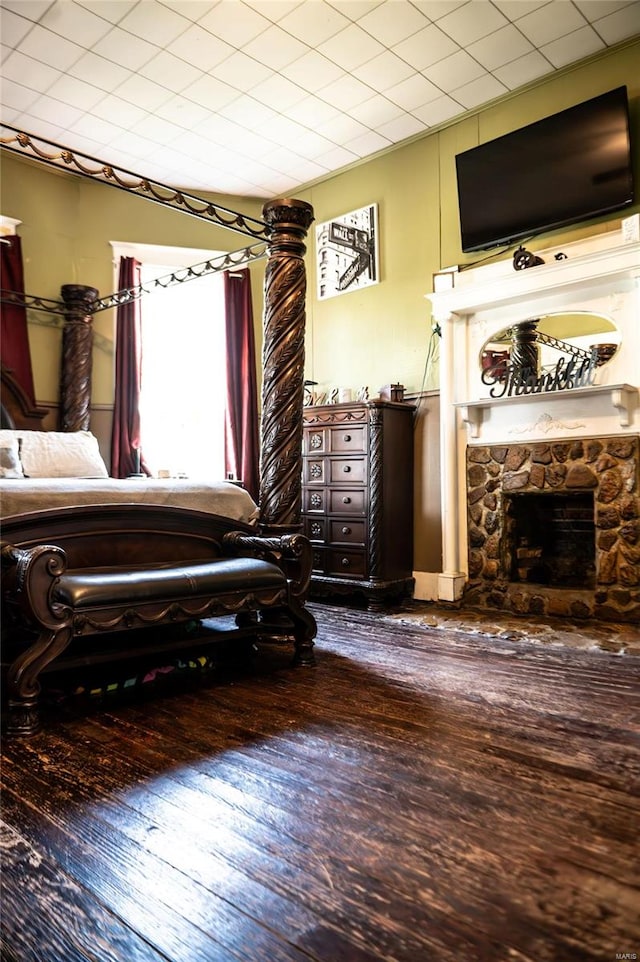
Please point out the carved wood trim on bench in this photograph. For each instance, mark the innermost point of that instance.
(108, 569)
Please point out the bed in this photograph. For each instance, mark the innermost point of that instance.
(42, 470)
(37, 494)
(48, 470)
(176, 522)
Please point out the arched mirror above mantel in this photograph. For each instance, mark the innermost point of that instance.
(536, 345)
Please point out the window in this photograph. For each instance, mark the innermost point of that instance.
(183, 383)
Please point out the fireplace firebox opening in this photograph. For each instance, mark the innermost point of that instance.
(550, 539)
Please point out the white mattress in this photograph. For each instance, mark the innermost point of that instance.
(39, 494)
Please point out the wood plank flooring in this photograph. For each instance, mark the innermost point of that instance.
(421, 795)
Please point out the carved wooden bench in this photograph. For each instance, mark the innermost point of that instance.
(104, 570)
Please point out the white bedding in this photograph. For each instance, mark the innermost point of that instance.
(39, 494)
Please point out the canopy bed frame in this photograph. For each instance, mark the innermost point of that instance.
(104, 569)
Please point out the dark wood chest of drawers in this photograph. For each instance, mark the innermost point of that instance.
(357, 498)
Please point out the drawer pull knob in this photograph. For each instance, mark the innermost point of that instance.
(347, 437)
(346, 530)
(346, 500)
(346, 469)
(345, 562)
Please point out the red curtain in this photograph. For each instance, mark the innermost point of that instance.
(125, 437)
(14, 339)
(241, 426)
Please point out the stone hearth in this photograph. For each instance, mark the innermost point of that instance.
(610, 468)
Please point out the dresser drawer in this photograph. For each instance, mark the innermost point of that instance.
(346, 531)
(348, 563)
(347, 470)
(347, 501)
(357, 488)
(347, 440)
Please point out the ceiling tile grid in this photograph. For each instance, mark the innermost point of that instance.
(259, 97)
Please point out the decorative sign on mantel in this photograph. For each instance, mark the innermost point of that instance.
(517, 371)
(508, 380)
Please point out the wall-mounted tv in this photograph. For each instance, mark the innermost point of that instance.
(563, 169)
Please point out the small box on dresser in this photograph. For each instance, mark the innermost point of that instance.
(357, 499)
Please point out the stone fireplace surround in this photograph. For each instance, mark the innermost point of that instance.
(608, 467)
(583, 439)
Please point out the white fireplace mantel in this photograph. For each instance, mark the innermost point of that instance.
(579, 276)
(622, 397)
(600, 275)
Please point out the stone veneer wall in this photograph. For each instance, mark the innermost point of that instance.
(610, 467)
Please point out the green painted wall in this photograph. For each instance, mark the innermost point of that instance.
(380, 334)
(369, 337)
(67, 225)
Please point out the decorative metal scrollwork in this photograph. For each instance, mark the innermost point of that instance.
(32, 302)
(215, 265)
(18, 141)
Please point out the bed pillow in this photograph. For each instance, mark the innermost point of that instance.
(10, 466)
(60, 454)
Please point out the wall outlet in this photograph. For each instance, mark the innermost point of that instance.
(631, 229)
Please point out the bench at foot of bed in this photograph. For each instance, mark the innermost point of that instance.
(105, 570)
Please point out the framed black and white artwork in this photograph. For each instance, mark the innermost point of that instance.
(347, 251)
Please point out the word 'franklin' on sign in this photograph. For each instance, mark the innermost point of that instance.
(508, 380)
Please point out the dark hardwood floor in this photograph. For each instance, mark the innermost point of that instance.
(421, 795)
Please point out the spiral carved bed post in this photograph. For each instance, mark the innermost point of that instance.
(283, 367)
(77, 343)
(524, 350)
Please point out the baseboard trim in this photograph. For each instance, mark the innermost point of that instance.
(426, 588)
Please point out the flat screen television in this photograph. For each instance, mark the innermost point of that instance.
(563, 169)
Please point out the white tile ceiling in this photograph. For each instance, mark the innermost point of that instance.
(259, 97)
